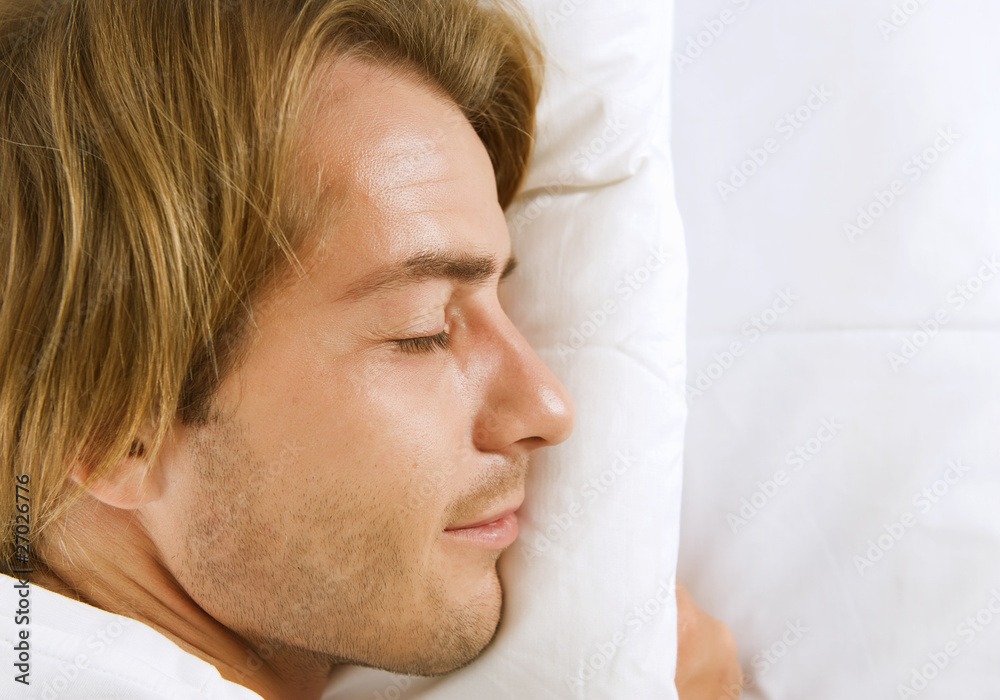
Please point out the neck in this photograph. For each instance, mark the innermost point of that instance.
(103, 556)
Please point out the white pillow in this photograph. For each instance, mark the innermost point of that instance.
(589, 602)
(839, 576)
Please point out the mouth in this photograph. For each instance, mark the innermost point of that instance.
(494, 531)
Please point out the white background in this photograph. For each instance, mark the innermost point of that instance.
(893, 75)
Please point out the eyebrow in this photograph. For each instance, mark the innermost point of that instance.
(460, 267)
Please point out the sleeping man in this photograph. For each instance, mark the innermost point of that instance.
(251, 253)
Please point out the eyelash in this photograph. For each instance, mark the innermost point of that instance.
(425, 344)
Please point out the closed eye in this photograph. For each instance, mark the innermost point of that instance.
(425, 344)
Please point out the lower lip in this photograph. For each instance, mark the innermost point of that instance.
(494, 535)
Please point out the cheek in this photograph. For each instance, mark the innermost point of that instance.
(409, 413)
(386, 439)
(374, 439)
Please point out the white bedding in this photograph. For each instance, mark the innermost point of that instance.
(841, 487)
(600, 293)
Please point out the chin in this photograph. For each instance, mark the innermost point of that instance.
(460, 637)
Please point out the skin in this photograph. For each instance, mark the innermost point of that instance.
(708, 665)
(303, 527)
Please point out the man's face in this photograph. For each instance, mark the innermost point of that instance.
(313, 512)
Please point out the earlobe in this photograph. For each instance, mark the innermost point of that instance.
(129, 486)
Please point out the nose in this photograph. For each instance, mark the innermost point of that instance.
(524, 402)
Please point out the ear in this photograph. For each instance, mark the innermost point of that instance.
(129, 486)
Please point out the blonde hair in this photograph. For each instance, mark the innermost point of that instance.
(145, 159)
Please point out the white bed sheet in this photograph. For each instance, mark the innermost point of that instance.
(864, 369)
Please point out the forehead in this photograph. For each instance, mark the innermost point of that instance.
(400, 163)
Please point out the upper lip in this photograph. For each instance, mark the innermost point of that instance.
(501, 512)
